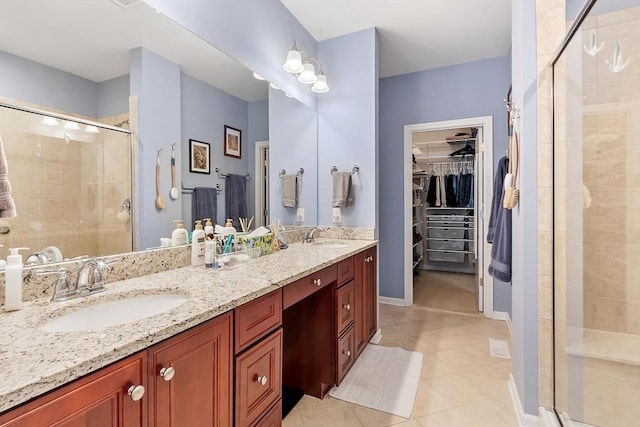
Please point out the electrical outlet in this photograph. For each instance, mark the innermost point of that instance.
(300, 215)
(337, 215)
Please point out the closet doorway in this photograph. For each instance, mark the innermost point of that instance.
(262, 183)
(448, 173)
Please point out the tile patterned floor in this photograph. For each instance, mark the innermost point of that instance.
(461, 384)
(446, 291)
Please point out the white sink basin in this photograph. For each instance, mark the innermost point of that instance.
(104, 315)
(329, 244)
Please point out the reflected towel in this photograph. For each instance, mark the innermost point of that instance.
(205, 204)
(289, 190)
(235, 196)
(342, 196)
(7, 207)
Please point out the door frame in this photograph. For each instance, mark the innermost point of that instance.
(260, 185)
(485, 122)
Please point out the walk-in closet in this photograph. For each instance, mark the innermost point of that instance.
(445, 194)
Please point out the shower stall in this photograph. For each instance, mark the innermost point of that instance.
(596, 103)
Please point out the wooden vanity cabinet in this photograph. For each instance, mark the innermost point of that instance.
(366, 298)
(190, 379)
(99, 399)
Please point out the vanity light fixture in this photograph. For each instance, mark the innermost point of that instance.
(258, 76)
(91, 129)
(71, 126)
(274, 86)
(305, 70)
(49, 121)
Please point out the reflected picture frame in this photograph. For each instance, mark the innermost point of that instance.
(199, 157)
(232, 142)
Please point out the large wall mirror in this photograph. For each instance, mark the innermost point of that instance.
(73, 58)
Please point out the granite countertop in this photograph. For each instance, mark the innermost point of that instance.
(33, 362)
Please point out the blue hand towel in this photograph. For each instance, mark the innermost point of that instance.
(499, 233)
(205, 203)
(235, 196)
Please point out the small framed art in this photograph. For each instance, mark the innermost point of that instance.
(232, 142)
(200, 157)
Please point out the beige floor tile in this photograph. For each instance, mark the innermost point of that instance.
(446, 291)
(292, 420)
(308, 401)
(410, 423)
(330, 412)
(372, 418)
(451, 418)
(429, 400)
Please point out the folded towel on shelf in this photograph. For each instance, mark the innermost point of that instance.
(235, 196)
(7, 207)
(289, 190)
(205, 204)
(342, 196)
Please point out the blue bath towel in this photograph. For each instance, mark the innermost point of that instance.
(499, 233)
(235, 196)
(205, 204)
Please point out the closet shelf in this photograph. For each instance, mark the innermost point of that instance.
(470, 228)
(449, 251)
(443, 239)
(447, 141)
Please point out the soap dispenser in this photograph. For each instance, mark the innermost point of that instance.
(13, 280)
(197, 245)
(180, 236)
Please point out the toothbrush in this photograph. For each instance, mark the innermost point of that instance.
(227, 245)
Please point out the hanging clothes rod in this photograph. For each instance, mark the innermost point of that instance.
(188, 190)
(354, 170)
(283, 172)
(222, 175)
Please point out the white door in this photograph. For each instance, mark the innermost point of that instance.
(479, 212)
(262, 183)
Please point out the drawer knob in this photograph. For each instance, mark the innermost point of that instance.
(136, 392)
(167, 373)
(347, 306)
(347, 352)
(262, 380)
(317, 282)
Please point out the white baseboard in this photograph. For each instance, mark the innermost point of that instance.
(377, 337)
(524, 420)
(547, 418)
(391, 301)
(503, 315)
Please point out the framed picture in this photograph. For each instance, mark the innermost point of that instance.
(232, 142)
(200, 157)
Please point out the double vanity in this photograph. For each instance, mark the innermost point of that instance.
(236, 344)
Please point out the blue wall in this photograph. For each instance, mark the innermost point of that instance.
(156, 82)
(466, 90)
(205, 111)
(113, 96)
(258, 131)
(32, 82)
(524, 319)
(347, 124)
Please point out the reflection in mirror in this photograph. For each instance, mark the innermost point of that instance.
(71, 185)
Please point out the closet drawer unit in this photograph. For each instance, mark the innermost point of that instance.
(302, 288)
(345, 354)
(446, 256)
(257, 318)
(456, 219)
(345, 310)
(258, 379)
(345, 271)
(444, 232)
(447, 245)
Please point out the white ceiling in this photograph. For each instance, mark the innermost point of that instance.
(414, 35)
(92, 38)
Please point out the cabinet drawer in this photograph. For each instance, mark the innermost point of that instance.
(273, 418)
(345, 308)
(258, 379)
(302, 288)
(256, 318)
(345, 271)
(346, 354)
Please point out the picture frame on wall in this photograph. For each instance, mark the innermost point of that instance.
(199, 157)
(232, 142)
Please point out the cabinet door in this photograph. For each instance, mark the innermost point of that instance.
(190, 376)
(100, 399)
(345, 356)
(366, 298)
(273, 418)
(371, 294)
(345, 307)
(258, 379)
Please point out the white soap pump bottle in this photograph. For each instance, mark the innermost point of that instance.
(197, 244)
(13, 280)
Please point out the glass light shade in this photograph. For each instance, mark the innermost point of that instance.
(321, 85)
(274, 86)
(294, 62)
(49, 121)
(308, 74)
(258, 76)
(91, 129)
(72, 126)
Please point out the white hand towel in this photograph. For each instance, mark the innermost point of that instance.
(342, 196)
(289, 190)
(7, 207)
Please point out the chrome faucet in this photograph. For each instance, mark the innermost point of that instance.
(63, 290)
(90, 276)
(37, 258)
(308, 237)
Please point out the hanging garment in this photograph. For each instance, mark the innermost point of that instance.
(500, 228)
(431, 194)
(438, 192)
(451, 190)
(443, 192)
